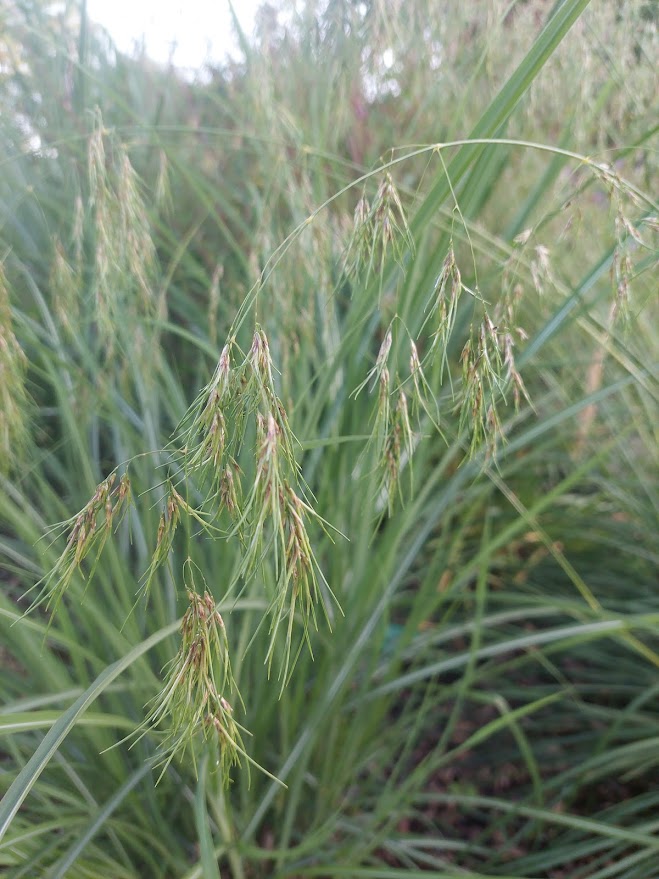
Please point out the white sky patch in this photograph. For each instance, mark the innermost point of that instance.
(187, 34)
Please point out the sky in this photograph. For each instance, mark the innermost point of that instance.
(189, 33)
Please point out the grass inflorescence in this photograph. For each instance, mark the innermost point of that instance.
(194, 702)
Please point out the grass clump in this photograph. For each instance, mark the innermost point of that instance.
(404, 533)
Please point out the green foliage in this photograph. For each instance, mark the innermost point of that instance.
(346, 357)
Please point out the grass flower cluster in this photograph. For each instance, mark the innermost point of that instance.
(269, 521)
(86, 535)
(194, 703)
(270, 517)
(380, 229)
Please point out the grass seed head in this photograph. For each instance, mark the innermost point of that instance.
(88, 531)
(194, 702)
(482, 386)
(444, 304)
(541, 271)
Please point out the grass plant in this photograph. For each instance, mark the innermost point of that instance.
(346, 357)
